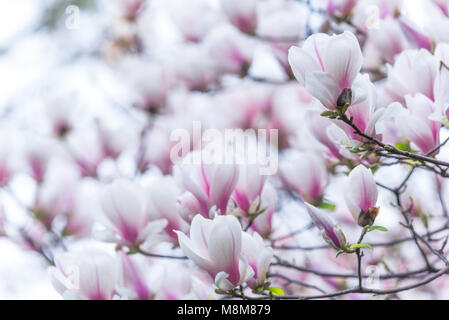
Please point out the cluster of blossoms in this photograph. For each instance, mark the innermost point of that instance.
(355, 108)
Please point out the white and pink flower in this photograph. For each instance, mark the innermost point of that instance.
(215, 246)
(361, 195)
(88, 274)
(124, 205)
(315, 66)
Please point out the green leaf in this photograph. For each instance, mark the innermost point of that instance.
(219, 291)
(277, 291)
(345, 108)
(355, 150)
(328, 113)
(327, 205)
(379, 228)
(339, 253)
(361, 245)
(404, 146)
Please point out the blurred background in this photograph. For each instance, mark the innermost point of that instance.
(90, 66)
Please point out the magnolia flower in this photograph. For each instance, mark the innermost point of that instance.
(62, 110)
(361, 195)
(369, 14)
(388, 46)
(188, 207)
(413, 72)
(441, 85)
(124, 206)
(134, 279)
(155, 149)
(80, 216)
(215, 246)
(262, 224)
(247, 192)
(305, 174)
(86, 148)
(316, 67)
(246, 106)
(210, 182)
(242, 14)
(38, 154)
(56, 195)
(88, 274)
(149, 81)
(282, 20)
(112, 141)
(162, 204)
(443, 5)
(203, 15)
(258, 256)
(413, 200)
(331, 231)
(192, 65)
(415, 125)
(180, 283)
(414, 34)
(229, 50)
(318, 127)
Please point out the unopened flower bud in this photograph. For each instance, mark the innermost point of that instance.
(344, 98)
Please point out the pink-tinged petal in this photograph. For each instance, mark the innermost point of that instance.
(123, 205)
(191, 251)
(343, 59)
(153, 228)
(301, 62)
(360, 191)
(441, 90)
(316, 46)
(304, 173)
(88, 274)
(188, 207)
(323, 87)
(222, 282)
(246, 271)
(184, 175)
(324, 222)
(225, 246)
(222, 185)
(263, 222)
(200, 232)
(242, 200)
(249, 186)
(417, 131)
(414, 35)
(132, 276)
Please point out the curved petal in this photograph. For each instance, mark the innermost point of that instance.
(343, 59)
(301, 62)
(323, 87)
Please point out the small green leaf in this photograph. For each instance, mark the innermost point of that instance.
(328, 113)
(345, 108)
(277, 291)
(355, 150)
(219, 291)
(361, 245)
(327, 205)
(404, 146)
(379, 228)
(339, 253)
